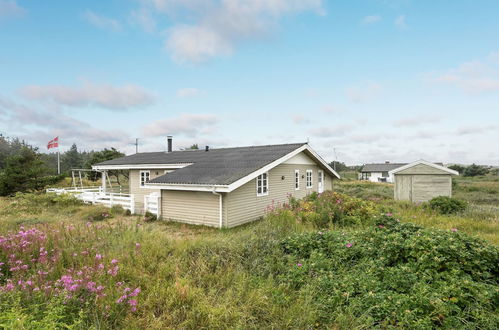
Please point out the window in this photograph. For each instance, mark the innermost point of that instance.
(384, 174)
(309, 179)
(262, 184)
(144, 177)
(366, 175)
(297, 179)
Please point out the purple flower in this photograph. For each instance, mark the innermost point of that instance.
(98, 256)
(299, 265)
(348, 245)
(114, 261)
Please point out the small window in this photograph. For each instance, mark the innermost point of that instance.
(297, 179)
(144, 177)
(309, 179)
(262, 184)
(384, 174)
(366, 175)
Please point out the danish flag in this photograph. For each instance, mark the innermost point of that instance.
(53, 143)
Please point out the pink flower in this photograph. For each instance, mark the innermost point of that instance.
(348, 245)
(381, 226)
(299, 265)
(453, 230)
(98, 256)
(132, 302)
(114, 261)
(389, 214)
(137, 246)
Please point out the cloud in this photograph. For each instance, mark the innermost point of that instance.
(400, 22)
(189, 92)
(101, 22)
(10, 9)
(205, 29)
(371, 19)
(106, 96)
(479, 76)
(468, 130)
(329, 109)
(416, 121)
(190, 125)
(363, 93)
(330, 131)
(144, 18)
(300, 119)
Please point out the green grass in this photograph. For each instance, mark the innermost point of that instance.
(198, 277)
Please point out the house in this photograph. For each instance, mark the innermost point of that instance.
(223, 187)
(378, 172)
(421, 181)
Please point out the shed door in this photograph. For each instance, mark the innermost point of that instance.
(403, 187)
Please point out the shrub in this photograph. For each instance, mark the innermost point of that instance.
(396, 275)
(149, 217)
(98, 214)
(447, 205)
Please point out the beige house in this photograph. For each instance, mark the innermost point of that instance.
(421, 181)
(223, 187)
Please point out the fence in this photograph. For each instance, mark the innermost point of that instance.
(152, 204)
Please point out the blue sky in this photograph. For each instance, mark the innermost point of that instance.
(375, 80)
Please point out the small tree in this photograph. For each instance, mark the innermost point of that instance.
(474, 170)
(71, 159)
(24, 171)
(459, 168)
(102, 156)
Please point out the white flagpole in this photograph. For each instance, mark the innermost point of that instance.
(58, 158)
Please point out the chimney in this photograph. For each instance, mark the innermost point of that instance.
(207, 148)
(169, 140)
(387, 162)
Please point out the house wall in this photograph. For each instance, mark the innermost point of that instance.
(243, 205)
(375, 176)
(422, 187)
(139, 192)
(193, 207)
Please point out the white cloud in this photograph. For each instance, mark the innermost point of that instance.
(468, 130)
(329, 109)
(210, 28)
(144, 18)
(190, 125)
(330, 131)
(477, 76)
(416, 121)
(371, 19)
(400, 22)
(102, 22)
(189, 92)
(106, 96)
(10, 9)
(363, 93)
(300, 119)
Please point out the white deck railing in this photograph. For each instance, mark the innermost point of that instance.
(95, 195)
(152, 204)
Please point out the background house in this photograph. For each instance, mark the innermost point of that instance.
(378, 172)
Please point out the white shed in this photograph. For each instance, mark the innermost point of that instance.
(421, 181)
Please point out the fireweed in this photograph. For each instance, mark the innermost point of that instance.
(35, 261)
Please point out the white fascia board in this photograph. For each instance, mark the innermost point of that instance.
(187, 187)
(424, 162)
(323, 162)
(140, 167)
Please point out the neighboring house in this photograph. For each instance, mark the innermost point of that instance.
(222, 187)
(421, 181)
(379, 172)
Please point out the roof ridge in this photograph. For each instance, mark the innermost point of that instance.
(224, 148)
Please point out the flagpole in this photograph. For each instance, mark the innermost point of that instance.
(58, 159)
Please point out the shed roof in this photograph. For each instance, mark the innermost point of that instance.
(381, 167)
(424, 162)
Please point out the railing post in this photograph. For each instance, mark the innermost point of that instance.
(145, 203)
(132, 204)
(158, 206)
(111, 199)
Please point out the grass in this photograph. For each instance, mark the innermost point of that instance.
(198, 277)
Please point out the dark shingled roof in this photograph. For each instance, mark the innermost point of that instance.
(214, 167)
(382, 167)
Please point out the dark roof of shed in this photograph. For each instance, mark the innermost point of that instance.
(381, 167)
(214, 167)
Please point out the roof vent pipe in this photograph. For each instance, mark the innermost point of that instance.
(207, 148)
(387, 162)
(169, 140)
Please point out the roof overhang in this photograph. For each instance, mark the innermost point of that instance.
(424, 162)
(233, 186)
(139, 167)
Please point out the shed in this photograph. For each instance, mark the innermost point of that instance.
(421, 181)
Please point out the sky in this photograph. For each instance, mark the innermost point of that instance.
(361, 80)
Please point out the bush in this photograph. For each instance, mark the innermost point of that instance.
(98, 214)
(149, 217)
(447, 205)
(396, 275)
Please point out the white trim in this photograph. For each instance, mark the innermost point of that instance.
(140, 166)
(424, 162)
(323, 162)
(266, 186)
(320, 184)
(311, 179)
(297, 176)
(188, 187)
(140, 178)
(221, 224)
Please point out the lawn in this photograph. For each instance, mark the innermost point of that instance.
(328, 262)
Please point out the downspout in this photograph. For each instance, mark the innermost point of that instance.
(220, 205)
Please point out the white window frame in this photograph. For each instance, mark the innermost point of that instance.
(309, 175)
(142, 183)
(264, 182)
(297, 179)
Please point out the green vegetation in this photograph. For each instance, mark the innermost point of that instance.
(447, 205)
(329, 261)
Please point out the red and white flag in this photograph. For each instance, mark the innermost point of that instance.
(53, 143)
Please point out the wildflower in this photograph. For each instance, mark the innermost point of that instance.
(389, 214)
(114, 261)
(453, 230)
(299, 265)
(137, 246)
(98, 256)
(348, 245)
(381, 226)
(135, 292)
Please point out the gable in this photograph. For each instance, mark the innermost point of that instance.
(300, 159)
(422, 169)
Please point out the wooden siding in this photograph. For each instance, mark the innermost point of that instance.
(403, 187)
(421, 169)
(193, 207)
(137, 191)
(422, 187)
(243, 205)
